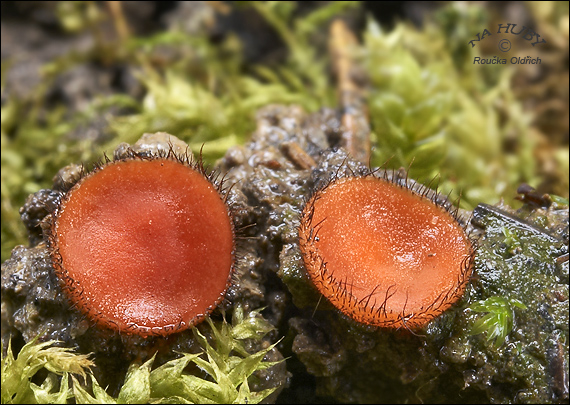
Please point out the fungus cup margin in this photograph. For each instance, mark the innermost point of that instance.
(339, 291)
(75, 292)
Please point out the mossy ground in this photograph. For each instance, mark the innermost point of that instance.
(481, 129)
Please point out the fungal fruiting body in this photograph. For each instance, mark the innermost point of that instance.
(383, 254)
(144, 245)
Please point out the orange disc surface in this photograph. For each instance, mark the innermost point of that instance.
(383, 254)
(144, 246)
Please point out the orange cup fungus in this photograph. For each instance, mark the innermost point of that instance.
(144, 245)
(382, 253)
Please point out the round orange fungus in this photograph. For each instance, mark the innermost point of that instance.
(144, 246)
(383, 254)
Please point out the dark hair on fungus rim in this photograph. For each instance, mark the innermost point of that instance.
(385, 250)
(144, 244)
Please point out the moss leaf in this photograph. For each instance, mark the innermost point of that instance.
(17, 373)
(499, 321)
(136, 389)
(99, 395)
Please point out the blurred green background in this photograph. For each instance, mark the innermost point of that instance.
(78, 78)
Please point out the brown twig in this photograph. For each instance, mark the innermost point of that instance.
(356, 136)
(121, 25)
(296, 154)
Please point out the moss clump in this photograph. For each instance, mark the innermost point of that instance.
(204, 93)
(431, 108)
(17, 373)
(228, 366)
(499, 321)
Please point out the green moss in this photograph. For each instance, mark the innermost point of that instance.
(428, 104)
(431, 108)
(559, 200)
(203, 96)
(229, 370)
(498, 323)
(17, 373)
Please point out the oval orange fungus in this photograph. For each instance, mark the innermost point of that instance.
(144, 246)
(383, 254)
